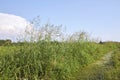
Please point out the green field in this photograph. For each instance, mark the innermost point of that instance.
(57, 61)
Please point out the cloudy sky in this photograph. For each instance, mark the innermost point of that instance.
(11, 26)
(100, 18)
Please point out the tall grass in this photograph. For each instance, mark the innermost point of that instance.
(48, 60)
(43, 58)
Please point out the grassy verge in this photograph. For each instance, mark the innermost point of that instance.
(109, 71)
(114, 72)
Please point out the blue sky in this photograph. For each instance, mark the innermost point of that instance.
(100, 18)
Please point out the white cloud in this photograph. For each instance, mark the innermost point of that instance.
(11, 26)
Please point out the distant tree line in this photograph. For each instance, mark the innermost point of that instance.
(5, 42)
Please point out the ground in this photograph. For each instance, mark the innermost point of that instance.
(95, 71)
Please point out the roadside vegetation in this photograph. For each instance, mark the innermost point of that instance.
(50, 57)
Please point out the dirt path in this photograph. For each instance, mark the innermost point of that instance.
(105, 59)
(95, 70)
